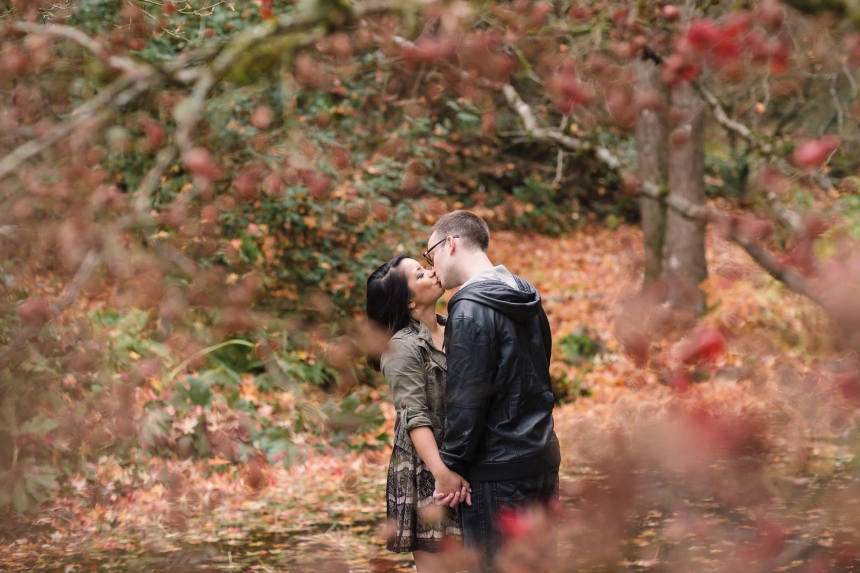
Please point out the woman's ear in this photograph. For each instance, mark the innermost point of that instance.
(411, 305)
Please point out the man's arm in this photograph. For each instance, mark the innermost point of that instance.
(546, 334)
(472, 363)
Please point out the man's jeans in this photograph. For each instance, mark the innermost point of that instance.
(481, 531)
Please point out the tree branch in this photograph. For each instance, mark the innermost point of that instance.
(13, 354)
(570, 143)
(73, 34)
(141, 77)
(84, 113)
(754, 139)
(789, 276)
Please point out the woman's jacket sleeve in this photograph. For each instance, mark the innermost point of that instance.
(404, 370)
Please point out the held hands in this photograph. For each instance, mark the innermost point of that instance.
(452, 489)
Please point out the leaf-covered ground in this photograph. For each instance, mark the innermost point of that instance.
(327, 511)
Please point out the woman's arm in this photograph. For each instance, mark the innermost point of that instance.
(446, 480)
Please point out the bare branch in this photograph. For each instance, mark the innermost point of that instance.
(73, 34)
(791, 219)
(188, 113)
(754, 139)
(565, 141)
(67, 32)
(144, 195)
(13, 353)
(80, 116)
(789, 276)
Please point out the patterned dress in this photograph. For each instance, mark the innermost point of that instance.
(415, 370)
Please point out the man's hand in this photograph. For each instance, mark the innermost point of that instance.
(451, 489)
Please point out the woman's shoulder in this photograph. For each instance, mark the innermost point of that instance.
(403, 344)
(407, 334)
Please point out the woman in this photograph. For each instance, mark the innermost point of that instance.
(401, 298)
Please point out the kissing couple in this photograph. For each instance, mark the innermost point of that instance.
(474, 441)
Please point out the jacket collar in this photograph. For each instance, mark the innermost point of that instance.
(423, 331)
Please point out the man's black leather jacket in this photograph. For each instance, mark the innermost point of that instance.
(498, 392)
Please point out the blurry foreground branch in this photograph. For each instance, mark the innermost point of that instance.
(14, 353)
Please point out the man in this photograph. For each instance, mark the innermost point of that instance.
(499, 434)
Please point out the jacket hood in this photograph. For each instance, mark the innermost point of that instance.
(521, 305)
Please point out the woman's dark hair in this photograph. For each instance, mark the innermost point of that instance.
(388, 298)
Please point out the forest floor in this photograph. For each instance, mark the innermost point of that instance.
(327, 512)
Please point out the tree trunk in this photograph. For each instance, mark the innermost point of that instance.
(684, 263)
(651, 165)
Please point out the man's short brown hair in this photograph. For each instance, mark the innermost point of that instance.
(473, 231)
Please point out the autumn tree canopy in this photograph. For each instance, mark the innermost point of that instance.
(193, 195)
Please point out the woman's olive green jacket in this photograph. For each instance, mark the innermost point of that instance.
(415, 370)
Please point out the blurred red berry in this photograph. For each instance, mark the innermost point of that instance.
(677, 70)
(702, 34)
(770, 15)
(812, 154)
(568, 90)
(34, 312)
(735, 25)
(579, 12)
(199, 162)
(671, 12)
(247, 182)
(209, 214)
(316, 183)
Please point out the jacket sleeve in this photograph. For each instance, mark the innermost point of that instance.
(546, 334)
(472, 364)
(403, 369)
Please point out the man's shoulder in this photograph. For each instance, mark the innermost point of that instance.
(471, 314)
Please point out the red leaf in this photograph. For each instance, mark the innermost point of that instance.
(266, 9)
(704, 345)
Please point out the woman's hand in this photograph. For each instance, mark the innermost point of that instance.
(451, 488)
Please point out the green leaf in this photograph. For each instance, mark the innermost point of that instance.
(38, 426)
(42, 476)
(198, 391)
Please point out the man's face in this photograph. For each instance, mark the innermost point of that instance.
(441, 260)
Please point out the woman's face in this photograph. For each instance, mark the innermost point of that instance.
(423, 283)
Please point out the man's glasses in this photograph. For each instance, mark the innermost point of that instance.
(426, 254)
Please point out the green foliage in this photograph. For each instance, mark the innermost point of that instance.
(537, 208)
(580, 346)
(848, 206)
(727, 176)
